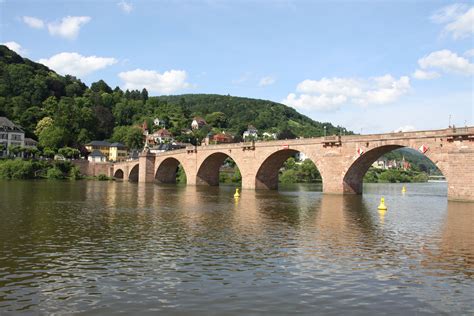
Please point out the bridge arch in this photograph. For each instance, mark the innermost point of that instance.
(118, 174)
(268, 172)
(353, 177)
(167, 170)
(208, 171)
(134, 172)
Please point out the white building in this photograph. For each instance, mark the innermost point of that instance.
(97, 156)
(198, 122)
(250, 133)
(267, 135)
(10, 134)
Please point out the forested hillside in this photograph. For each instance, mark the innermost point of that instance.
(63, 111)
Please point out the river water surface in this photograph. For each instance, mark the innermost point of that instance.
(99, 248)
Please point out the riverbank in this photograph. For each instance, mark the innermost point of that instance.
(20, 169)
(375, 175)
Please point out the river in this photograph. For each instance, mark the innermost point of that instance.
(100, 248)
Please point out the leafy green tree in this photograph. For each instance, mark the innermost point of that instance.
(68, 152)
(217, 119)
(101, 86)
(48, 152)
(43, 124)
(53, 137)
(131, 136)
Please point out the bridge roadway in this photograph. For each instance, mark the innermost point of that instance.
(341, 160)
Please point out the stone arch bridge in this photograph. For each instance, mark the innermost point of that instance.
(341, 160)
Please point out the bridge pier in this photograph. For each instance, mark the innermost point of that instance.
(146, 167)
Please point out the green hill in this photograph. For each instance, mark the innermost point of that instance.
(71, 113)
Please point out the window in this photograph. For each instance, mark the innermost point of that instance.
(16, 137)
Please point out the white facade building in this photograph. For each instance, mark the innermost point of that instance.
(10, 134)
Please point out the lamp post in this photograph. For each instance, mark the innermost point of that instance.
(324, 131)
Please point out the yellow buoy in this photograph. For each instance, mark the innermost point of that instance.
(404, 189)
(236, 194)
(382, 206)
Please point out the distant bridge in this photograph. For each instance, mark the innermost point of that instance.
(341, 160)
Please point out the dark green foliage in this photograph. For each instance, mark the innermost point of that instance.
(131, 136)
(181, 175)
(102, 177)
(374, 175)
(303, 172)
(418, 161)
(27, 169)
(16, 169)
(55, 174)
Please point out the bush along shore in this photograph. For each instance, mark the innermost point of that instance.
(374, 175)
(20, 169)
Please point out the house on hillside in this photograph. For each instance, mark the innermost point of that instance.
(157, 122)
(111, 152)
(160, 136)
(97, 156)
(198, 122)
(118, 152)
(221, 138)
(250, 134)
(10, 134)
(269, 136)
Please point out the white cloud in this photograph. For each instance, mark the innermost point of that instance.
(309, 102)
(266, 81)
(126, 7)
(406, 128)
(76, 64)
(167, 82)
(69, 26)
(469, 53)
(449, 13)
(347, 86)
(425, 75)
(459, 20)
(14, 46)
(446, 61)
(33, 22)
(328, 94)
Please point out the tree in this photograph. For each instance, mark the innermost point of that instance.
(131, 136)
(53, 137)
(217, 119)
(144, 95)
(43, 124)
(101, 86)
(68, 152)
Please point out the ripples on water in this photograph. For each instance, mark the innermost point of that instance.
(103, 248)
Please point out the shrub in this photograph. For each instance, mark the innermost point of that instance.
(102, 177)
(54, 173)
(75, 173)
(16, 169)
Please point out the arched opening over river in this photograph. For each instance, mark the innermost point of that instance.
(133, 176)
(218, 168)
(391, 164)
(287, 166)
(118, 175)
(170, 171)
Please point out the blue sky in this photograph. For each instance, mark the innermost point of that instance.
(371, 66)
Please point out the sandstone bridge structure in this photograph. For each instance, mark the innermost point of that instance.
(341, 160)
